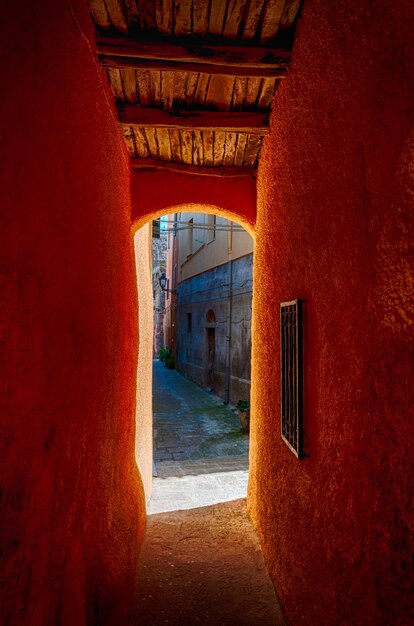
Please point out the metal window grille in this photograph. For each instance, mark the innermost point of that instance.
(292, 375)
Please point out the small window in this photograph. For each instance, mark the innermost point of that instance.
(291, 376)
(189, 322)
(210, 319)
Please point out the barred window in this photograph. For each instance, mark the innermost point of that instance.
(291, 375)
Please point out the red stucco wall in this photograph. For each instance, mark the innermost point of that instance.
(159, 193)
(71, 498)
(335, 227)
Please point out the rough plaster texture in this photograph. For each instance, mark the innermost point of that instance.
(143, 442)
(71, 499)
(335, 227)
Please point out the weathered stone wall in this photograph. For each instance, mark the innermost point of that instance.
(206, 292)
(159, 262)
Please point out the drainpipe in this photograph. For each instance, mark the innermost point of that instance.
(229, 312)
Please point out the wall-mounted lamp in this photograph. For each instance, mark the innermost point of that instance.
(163, 280)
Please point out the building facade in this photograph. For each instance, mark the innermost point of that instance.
(210, 273)
(170, 311)
(159, 253)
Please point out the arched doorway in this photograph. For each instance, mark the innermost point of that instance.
(204, 340)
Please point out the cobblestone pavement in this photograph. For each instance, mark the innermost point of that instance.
(200, 451)
(191, 424)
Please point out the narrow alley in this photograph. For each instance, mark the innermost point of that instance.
(267, 146)
(201, 561)
(200, 451)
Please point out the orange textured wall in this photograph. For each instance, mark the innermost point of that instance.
(335, 227)
(143, 441)
(72, 502)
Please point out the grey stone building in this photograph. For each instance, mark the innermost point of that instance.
(211, 274)
(159, 255)
(214, 320)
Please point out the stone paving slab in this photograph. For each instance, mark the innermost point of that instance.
(203, 466)
(204, 567)
(190, 423)
(181, 491)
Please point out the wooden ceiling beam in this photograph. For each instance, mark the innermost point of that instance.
(123, 52)
(153, 165)
(200, 68)
(249, 122)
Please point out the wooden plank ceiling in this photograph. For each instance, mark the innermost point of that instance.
(194, 79)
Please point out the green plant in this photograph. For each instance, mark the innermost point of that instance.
(243, 406)
(167, 357)
(169, 362)
(163, 354)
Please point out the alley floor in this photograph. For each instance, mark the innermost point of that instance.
(191, 424)
(204, 566)
(200, 451)
(201, 561)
